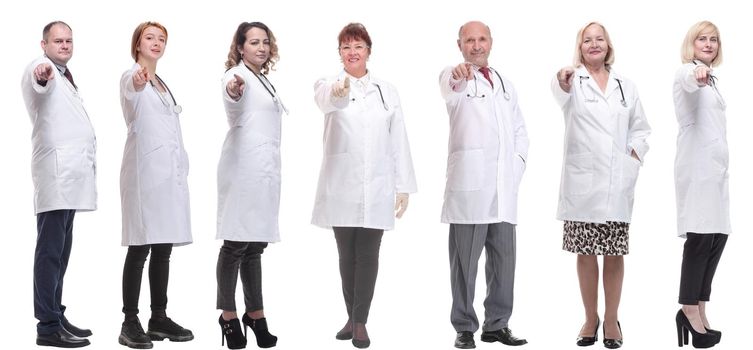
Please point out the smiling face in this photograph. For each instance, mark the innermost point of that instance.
(594, 46)
(152, 44)
(354, 54)
(475, 43)
(58, 45)
(706, 47)
(255, 50)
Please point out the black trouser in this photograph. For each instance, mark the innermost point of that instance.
(699, 260)
(54, 241)
(358, 248)
(159, 272)
(246, 257)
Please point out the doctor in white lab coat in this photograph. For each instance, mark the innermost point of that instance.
(248, 180)
(63, 170)
(605, 143)
(488, 147)
(701, 178)
(153, 188)
(366, 174)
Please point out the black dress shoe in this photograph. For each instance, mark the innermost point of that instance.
(613, 343)
(588, 341)
(464, 340)
(61, 339)
(503, 336)
(81, 333)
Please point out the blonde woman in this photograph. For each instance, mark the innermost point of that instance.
(605, 144)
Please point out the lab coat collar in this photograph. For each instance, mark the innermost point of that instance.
(612, 85)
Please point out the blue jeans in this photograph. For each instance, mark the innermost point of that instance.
(54, 241)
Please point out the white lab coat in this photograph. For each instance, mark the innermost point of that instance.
(488, 147)
(248, 176)
(153, 188)
(63, 165)
(366, 156)
(598, 172)
(702, 160)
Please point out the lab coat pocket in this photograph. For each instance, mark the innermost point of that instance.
(74, 162)
(630, 168)
(718, 155)
(578, 175)
(519, 169)
(465, 170)
(341, 174)
(156, 166)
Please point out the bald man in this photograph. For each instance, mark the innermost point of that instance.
(487, 155)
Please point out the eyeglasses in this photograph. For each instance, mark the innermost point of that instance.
(357, 48)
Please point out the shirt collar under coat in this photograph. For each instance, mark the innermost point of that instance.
(590, 83)
(364, 84)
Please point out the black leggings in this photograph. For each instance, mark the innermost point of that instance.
(699, 260)
(159, 271)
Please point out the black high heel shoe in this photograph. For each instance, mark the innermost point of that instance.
(231, 330)
(700, 340)
(588, 341)
(613, 343)
(717, 333)
(263, 338)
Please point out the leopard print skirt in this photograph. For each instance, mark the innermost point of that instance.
(589, 238)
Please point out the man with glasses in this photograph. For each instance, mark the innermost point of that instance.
(487, 153)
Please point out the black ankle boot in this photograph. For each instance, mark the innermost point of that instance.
(231, 330)
(263, 338)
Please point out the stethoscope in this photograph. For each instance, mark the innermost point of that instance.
(475, 86)
(273, 92)
(381, 97)
(593, 94)
(176, 107)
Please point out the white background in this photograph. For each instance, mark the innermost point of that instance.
(412, 43)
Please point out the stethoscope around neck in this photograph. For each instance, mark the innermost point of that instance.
(593, 94)
(475, 86)
(276, 99)
(176, 107)
(381, 97)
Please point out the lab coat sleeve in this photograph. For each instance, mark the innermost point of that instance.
(405, 177)
(562, 97)
(127, 90)
(686, 77)
(230, 76)
(450, 88)
(324, 99)
(32, 81)
(638, 130)
(519, 127)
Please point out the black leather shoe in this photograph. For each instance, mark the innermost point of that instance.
(81, 333)
(613, 343)
(61, 339)
(588, 341)
(503, 336)
(464, 340)
(165, 328)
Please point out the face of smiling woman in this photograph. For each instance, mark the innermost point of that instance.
(706, 47)
(354, 55)
(594, 47)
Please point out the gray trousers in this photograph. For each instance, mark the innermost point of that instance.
(358, 248)
(466, 243)
(246, 258)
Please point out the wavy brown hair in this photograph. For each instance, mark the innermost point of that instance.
(234, 55)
